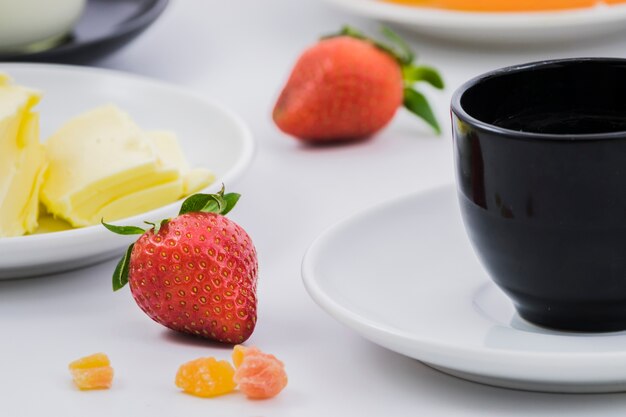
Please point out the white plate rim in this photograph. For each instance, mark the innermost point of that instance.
(245, 159)
(476, 20)
(363, 324)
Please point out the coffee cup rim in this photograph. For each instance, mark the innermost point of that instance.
(463, 115)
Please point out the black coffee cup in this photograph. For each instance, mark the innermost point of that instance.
(540, 155)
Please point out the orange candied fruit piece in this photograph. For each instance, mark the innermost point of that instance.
(259, 375)
(92, 372)
(206, 377)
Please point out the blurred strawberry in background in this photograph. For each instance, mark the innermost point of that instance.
(348, 86)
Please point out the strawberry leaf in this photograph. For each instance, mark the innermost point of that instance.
(349, 31)
(417, 104)
(215, 204)
(230, 199)
(399, 49)
(413, 74)
(209, 203)
(193, 203)
(219, 203)
(120, 275)
(402, 49)
(157, 227)
(123, 230)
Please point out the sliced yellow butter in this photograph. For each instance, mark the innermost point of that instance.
(102, 165)
(170, 153)
(166, 145)
(196, 179)
(143, 200)
(22, 159)
(48, 224)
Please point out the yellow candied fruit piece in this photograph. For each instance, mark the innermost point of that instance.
(206, 377)
(91, 361)
(239, 352)
(92, 372)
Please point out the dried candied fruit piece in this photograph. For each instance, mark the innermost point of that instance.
(94, 378)
(238, 353)
(206, 377)
(259, 375)
(92, 372)
(91, 361)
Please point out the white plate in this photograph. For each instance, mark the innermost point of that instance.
(404, 276)
(210, 136)
(496, 28)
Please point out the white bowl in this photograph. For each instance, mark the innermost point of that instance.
(33, 24)
(210, 135)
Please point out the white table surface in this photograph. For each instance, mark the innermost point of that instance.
(240, 52)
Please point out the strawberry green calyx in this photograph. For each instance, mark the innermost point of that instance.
(397, 48)
(219, 203)
(120, 275)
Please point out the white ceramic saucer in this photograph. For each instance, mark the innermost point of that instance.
(404, 276)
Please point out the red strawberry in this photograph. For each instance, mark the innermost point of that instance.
(347, 87)
(195, 273)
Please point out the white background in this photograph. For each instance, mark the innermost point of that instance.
(239, 53)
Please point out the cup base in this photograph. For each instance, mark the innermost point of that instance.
(577, 318)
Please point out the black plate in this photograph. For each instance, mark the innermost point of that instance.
(105, 26)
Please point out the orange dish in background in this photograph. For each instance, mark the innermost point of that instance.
(505, 5)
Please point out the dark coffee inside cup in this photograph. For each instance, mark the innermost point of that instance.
(566, 97)
(540, 154)
(574, 121)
